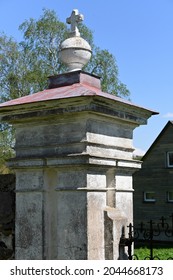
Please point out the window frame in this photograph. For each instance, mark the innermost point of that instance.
(149, 199)
(168, 199)
(168, 159)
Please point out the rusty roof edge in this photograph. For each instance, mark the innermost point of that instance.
(12, 105)
(127, 102)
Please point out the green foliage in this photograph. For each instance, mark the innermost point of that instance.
(25, 65)
(9, 68)
(163, 253)
(6, 143)
(104, 65)
(40, 45)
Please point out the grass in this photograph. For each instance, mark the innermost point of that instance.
(162, 253)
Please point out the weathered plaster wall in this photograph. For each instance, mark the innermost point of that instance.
(76, 167)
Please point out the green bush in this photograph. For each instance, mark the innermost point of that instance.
(162, 253)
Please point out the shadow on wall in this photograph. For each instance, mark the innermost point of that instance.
(7, 216)
(122, 245)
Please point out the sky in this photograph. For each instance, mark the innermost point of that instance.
(139, 33)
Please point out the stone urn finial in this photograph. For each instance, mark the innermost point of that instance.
(75, 52)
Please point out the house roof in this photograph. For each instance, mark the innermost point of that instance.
(168, 125)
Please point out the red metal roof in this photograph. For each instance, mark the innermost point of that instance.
(75, 90)
(68, 85)
(50, 94)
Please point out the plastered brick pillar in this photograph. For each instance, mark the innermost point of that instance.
(73, 168)
(75, 219)
(29, 214)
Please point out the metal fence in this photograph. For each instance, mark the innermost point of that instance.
(149, 234)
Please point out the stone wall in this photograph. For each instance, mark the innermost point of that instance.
(7, 216)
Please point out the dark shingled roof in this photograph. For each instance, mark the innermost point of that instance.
(169, 124)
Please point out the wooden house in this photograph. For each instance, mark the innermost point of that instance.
(153, 183)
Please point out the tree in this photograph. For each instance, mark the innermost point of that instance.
(6, 143)
(104, 65)
(9, 77)
(26, 65)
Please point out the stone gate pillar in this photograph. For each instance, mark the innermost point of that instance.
(73, 168)
(73, 163)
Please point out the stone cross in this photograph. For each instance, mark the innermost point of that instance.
(73, 20)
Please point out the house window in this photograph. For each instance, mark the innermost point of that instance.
(149, 197)
(170, 196)
(170, 159)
